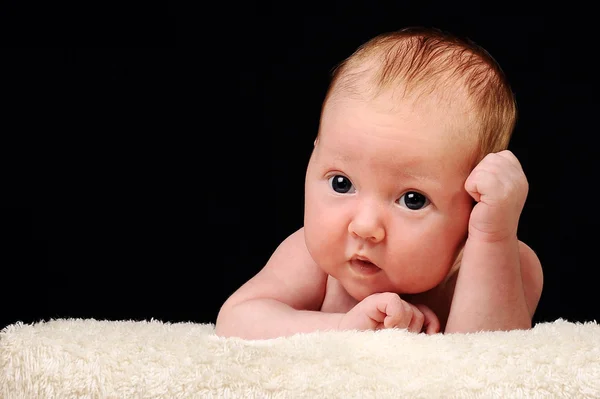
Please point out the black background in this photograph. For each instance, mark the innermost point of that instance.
(149, 170)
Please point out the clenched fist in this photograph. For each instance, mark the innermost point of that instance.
(500, 188)
(388, 310)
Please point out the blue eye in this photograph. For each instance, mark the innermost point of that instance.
(341, 184)
(414, 201)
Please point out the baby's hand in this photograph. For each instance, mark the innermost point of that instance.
(387, 310)
(500, 187)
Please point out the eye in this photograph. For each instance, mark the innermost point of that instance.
(413, 200)
(341, 184)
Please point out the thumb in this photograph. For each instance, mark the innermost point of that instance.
(471, 185)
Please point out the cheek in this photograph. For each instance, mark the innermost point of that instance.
(322, 221)
(427, 252)
(459, 223)
(323, 228)
(447, 242)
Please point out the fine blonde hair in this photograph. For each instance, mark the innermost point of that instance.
(422, 61)
(425, 61)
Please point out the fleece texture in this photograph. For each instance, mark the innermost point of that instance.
(86, 358)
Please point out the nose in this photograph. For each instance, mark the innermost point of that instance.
(366, 224)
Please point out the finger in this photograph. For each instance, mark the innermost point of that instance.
(485, 186)
(508, 155)
(503, 163)
(401, 317)
(417, 318)
(471, 185)
(374, 307)
(495, 188)
(383, 307)
(431, 323)
(397, 312)
(514, 169)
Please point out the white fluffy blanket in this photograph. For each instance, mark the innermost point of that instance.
(150, 359)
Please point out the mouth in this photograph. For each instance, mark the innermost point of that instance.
(363, 266)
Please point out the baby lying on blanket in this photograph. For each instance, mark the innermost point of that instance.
(412, 203)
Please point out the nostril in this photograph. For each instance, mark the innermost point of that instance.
(371, 234)
(367, 228)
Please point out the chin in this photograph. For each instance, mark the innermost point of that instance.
(360, 295)
(359, 291)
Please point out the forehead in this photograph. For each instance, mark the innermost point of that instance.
(422, 141)
(399, 129)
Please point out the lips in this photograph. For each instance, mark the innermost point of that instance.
(363, 265)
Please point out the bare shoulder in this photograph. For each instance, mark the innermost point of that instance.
(532, 276)
(290, 276)
(528, 255)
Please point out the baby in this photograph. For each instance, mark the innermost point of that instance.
(412, 203)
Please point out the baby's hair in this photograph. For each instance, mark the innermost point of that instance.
(421, 61)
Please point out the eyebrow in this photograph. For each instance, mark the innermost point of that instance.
(399, 172)
(342, 157)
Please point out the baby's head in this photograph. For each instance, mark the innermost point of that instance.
(406, 119)
(417, 65)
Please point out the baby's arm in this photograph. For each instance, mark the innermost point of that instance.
(500, 279)
(285, 298)
(498, 288)
(282, 299)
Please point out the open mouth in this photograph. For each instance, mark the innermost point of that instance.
(363, 266)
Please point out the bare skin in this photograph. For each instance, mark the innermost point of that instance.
(365, 260)
(324, 302)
